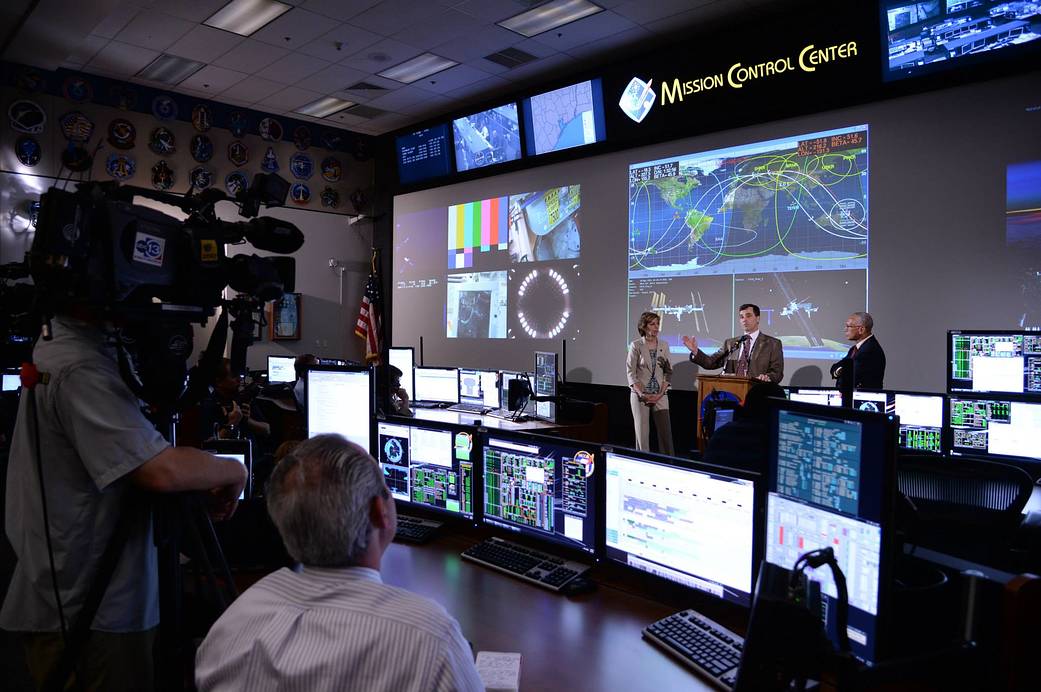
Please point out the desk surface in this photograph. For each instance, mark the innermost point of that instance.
(441, 415)
(588, 642)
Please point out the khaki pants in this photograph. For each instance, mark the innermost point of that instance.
(109, 661)
(641, 419)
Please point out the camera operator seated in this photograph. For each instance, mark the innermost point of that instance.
(222, 415)
(98, 456)
(331, 623)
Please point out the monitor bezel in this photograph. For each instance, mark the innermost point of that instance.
(952, 390)
(342, 368)
(415, 394)
(518, 534)
(888, 555)
(758, 518)
(426, 511)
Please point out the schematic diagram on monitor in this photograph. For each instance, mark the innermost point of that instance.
(518, 487)
(819, 461)
(574, 498)
(443, 488)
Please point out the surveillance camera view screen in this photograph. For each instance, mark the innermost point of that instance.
(781, 224)
(487, 138)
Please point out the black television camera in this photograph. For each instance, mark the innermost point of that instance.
(153, 276)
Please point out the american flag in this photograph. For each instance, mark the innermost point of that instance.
(368, 325)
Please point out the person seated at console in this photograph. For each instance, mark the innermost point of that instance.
(397, 395)
(742, 443)
(228, 413)
(331, 623)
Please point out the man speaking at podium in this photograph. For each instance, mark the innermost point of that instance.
(753, 354)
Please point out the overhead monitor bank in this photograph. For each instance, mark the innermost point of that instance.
(811, 218)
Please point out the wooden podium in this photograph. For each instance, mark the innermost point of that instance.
(734, 384)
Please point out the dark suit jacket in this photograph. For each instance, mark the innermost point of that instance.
(767, 358)
(865, 371)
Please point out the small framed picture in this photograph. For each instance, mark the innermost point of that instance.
(286, 318)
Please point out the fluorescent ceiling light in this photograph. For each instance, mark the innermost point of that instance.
(417, 68)
(245, 17)
(170, 69)
(549, 16)
(323, 107)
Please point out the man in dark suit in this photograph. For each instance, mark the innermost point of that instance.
(754, 354)
(864, 366)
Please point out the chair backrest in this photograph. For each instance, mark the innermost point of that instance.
(968, 491)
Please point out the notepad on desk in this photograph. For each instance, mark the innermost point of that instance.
(499, 671)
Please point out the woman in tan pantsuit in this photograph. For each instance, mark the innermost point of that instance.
(649, 372)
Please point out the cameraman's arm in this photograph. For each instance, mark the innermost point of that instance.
(178, 469)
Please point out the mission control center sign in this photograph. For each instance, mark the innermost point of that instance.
(639, 97)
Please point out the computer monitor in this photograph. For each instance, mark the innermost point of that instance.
(831, 483)
(437, 385)
(921, 420)
(545, 383)
(340, 399)
(995, 428)
(403, 358)
(238, 450)
(428, 465)
(424, 154)
(12, 379)
(693, 524)
(281, 369)
(824, 396)
(487, 138)
(994, 362)
(505, 377)
(722, 416)
(571, 116)
(541, 488)
(479, 387)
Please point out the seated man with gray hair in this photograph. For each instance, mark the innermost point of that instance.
(331, 623)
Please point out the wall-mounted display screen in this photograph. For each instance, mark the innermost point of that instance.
(923, 37)
(424, 154)
(571, 116)
(487, 138)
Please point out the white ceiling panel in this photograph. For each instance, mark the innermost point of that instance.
(289, 98)
(451, 79)
(485, 42)
(332, 78)
(252, 90)
(294, 29)
(493, 10)
(433, 31)
(701, 17)
(407, 99)
(584, 30)
(251, 56)
(487, 85)
(122, 58)
(87, 49)
(637, 37)
(338, 9)
(111, 25)
(389, 16)
(643, 12)
(213, 80)
(380, 56)
(192, 10)
(342, 42)
(205, 44)
(154, 30)
(293, 68)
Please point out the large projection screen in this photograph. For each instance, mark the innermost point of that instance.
(489, 271)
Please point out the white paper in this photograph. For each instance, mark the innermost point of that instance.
(499, 671)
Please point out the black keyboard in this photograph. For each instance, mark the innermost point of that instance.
(548, 571)
(414, 529)
(469, 408)
(429, 404)
(707, 647)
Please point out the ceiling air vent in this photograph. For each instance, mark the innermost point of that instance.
(365, 86)
(511, 57)
(360, 111)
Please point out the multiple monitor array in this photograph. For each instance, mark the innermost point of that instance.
(564, 118)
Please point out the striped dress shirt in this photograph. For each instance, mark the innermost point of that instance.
(334, 629)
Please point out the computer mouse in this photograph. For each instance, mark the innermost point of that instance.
(578, 586)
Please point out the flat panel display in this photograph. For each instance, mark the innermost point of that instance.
(439, 385)
(339, 399)
(571, 116)
(996, 362)
(692, 526)
(403, 358)
(480, 387)
(1003, 429)
(424, 154)
(281, 369)
(487, 138)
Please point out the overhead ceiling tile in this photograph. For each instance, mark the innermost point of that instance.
(122, 58)
(389, 16)
(294, 29)
(451, 79)
(439, 29)
(86, 49)
(205, 44)
(643, 12)
(634, 38)
(154, 30)
(252, 90)
(584, 30)
(289, 98)
(380, 56)
(293, 68)
(486, 41)
(111, 25)
(338, 9)
(493, 10)
(342, 42)
(332, 78)
(486, 88)
(408, 99)
(213, 80)
(705, 16)
(538, 69)
(192, 10)
(251, 56)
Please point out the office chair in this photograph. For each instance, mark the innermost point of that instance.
(966, 507)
